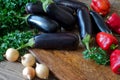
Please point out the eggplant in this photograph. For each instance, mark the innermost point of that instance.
(71, 3)
(59, 41)
(98, 23)
(66, 20)
(42, 23)
(84, 22)
(34, 8)
(85, 26)
(68, 9)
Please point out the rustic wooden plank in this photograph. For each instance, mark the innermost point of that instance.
(70, 65)
(65, 65)
(11, 71)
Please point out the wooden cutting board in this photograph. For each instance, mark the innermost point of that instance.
(70, 65)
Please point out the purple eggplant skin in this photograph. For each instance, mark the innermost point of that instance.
(84, 22)
(68, 9)
(98, 23)
(59, 41)
(34, 8)
(43, 23)
(71, 3)
(66, 20)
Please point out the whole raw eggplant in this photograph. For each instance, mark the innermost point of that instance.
(36, 8)
(68, 9)
(60, 41)
(42, 23)
(66, 19)
(98, 23)
(84, 22)
(75, 4)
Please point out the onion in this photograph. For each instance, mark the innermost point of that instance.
(28, 73)
(11, 54)
(28, 60)
(42, 71)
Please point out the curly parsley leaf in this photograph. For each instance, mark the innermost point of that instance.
(9, 9)
(14, 40)
(97, 54)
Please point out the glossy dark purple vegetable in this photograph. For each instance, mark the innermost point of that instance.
(60, 41)
(84, 24)
(68, 9)
(66, 19)
(43, 23)
(98, 23)
(34, 8)
(75, 4)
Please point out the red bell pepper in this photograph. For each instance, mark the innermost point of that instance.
(101, 6)
(113, 22)
(115, 61)
(106, 41)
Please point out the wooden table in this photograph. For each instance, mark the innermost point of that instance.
(65, 65)
(70, 65)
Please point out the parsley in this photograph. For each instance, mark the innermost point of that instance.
(97, 54)
(13, 31)
(14, 40)
(9, 9)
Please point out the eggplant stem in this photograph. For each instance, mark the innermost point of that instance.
(29, 44)
(45, 3)
(24, 18)
(88, 7)
(23, 46)
(86, 41)
(20, 17)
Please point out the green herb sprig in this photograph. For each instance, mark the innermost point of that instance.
(9, 9)
(94, 53)
(97, 54)
(14, 40)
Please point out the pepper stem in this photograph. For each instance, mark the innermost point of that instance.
(113, 46)
(86, 41)
(30, 43)
(45, 3)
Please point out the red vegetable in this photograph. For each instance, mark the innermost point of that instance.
(115, 61)
(106, 41)
(113, 22)
(101, 6)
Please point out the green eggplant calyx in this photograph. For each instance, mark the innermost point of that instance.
(30, 43)
(86, 41)
(24, 18)
(45, 3)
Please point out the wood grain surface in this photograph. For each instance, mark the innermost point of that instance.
(10, 71)
(70, 65)
(64, 65)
